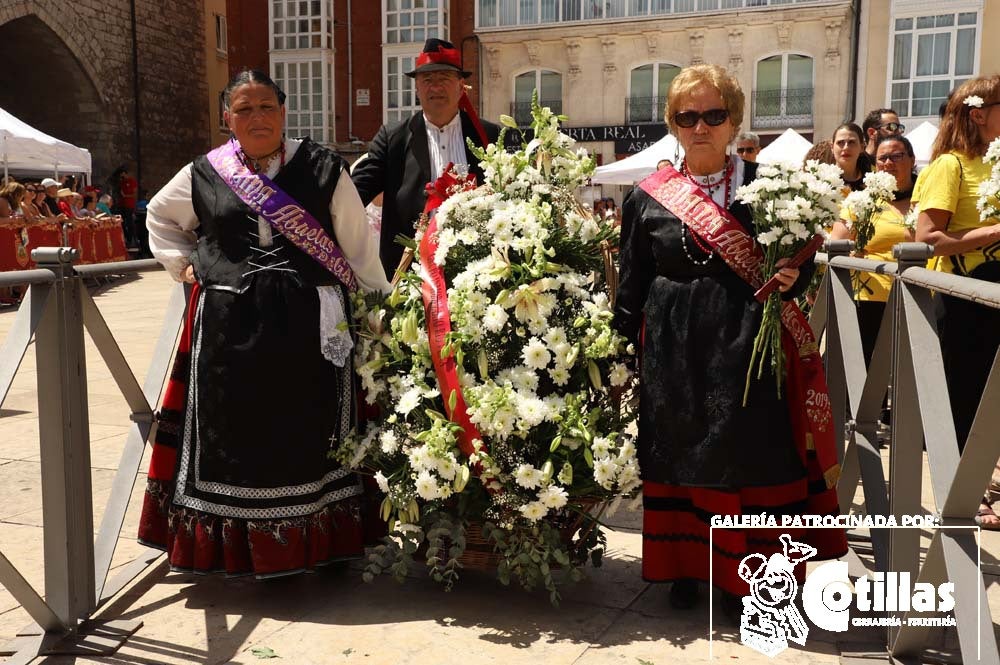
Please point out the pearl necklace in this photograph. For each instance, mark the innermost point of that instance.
(711, 188)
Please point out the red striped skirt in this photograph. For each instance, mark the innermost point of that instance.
(676, 520)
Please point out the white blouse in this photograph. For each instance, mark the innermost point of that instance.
(171, 221)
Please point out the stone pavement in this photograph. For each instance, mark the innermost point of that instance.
(612, 617)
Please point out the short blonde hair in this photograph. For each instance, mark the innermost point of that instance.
(958, 132)
(691, 78)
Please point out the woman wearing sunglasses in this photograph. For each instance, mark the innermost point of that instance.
(893, 154)
(964, 245)
(684, 302)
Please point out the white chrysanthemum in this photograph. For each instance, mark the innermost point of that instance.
(554, 336)
(601, 447)
(535, 354)
(527, 476)
(420, 458)
(559, 375)
(524, 379)
(389, 441)
(619, 374)
(408, 401)
(427, 487)
(468, 236)
(446, 467)
(553, 496)
(495, 318)
(383, 482)
(604, 472)
(532, 411)
(533, 511)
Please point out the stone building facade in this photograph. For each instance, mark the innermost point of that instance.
(69, 70)
(914, 52)
(607, 65)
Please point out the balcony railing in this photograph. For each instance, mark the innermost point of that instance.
(520, 13)
(521, 111)
(788, 107)
(639, 110)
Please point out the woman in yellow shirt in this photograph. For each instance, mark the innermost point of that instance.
(966, 245)
(893, 154)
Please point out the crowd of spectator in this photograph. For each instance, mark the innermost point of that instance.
(48, 201)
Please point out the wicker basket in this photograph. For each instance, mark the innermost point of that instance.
(479, 553)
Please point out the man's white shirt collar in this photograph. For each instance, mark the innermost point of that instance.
(445, 144)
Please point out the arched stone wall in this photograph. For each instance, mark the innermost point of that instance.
(68, 70)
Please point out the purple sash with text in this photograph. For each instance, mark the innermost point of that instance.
(281, 211)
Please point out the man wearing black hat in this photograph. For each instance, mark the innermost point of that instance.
(404, 157)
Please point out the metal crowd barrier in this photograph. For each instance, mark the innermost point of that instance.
(907, 358)
(55, 311)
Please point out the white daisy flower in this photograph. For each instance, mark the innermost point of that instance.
(535, 354)
(533, 511)
(553, 496)
(527, 476)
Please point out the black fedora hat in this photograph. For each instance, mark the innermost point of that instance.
(437, 56)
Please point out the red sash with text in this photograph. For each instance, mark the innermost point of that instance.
(806, 390)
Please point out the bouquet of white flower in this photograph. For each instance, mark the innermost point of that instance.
(790, 206)
(511, 423)
(879, 191)
(988, 202)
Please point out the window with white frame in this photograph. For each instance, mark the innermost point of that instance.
(400, 97)
(783, 93)
(499, 13)
(307, 107)
(301, 24)
(648, 86)
(549, 87)
(414, 21)
(221, 39)
(931, 54)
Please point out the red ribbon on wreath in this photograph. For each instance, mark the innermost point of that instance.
(436, 312)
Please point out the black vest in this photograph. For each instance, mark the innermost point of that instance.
(227, 227)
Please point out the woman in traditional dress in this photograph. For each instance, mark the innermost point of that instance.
(272, 233)
(693, 320)
(894, 155)
(965, 245)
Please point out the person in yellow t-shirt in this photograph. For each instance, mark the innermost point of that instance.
(966, 245)
(893, 154)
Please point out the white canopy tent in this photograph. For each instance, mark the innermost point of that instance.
(634, 168)
(26, 149)
(922, 138)
(789, 148)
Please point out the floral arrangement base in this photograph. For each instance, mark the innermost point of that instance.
(575, 532)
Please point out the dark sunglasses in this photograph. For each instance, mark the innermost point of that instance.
(894, 127)
(740, 151)
(894, 157)
(712, 118)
